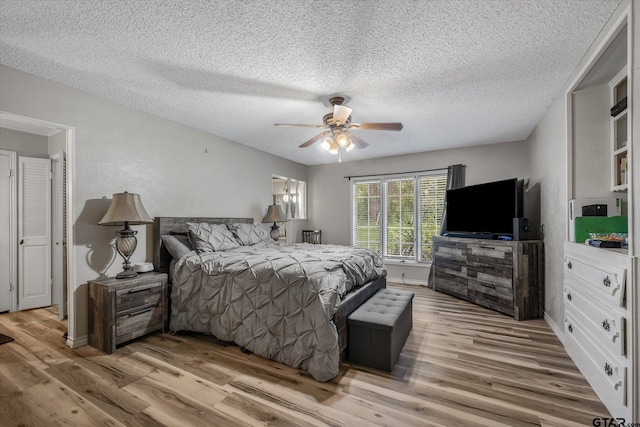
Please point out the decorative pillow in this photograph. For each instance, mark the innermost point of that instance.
(178, 245)
(248, 234)
(210, 237)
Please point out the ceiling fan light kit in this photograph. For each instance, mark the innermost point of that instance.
(339, 126)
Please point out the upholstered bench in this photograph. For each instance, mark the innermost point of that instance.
(379, 328)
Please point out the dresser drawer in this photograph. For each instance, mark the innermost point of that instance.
(604, 325)
(491, 256)
(139, 296)
(603, 279)
(606, 374)
(137, 322)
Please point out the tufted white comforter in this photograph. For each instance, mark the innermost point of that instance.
(276, 301)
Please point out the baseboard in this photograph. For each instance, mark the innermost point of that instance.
(406, 281)
(556, 330)
(78, 342)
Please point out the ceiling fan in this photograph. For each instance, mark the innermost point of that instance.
(339, 129)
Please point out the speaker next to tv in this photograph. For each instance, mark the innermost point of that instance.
(521, 228)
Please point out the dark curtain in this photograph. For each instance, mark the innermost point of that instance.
(455, 179)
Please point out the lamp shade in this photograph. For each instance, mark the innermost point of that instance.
(126, 207)
(274, 214)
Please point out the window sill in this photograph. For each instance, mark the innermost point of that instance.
(407, 263)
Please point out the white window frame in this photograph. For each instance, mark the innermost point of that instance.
(417, 223)
(292, 189)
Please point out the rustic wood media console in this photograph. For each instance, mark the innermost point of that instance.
(506, 276)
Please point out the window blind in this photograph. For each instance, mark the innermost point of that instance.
(367, 215)
(398, 216)
(399, 230)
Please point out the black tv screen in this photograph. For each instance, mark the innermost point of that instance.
(485, 208)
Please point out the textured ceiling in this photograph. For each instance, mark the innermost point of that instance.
(455, 73)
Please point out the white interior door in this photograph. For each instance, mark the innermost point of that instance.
(8, 251)
(34, 232)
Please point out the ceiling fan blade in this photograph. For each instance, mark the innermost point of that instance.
(314, 139)
(377, 126)
(357, 141)
(299, 125)
(341, 113)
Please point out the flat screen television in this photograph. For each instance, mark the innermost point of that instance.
(485, 209)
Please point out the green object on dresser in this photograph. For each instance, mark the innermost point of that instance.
(599, 224)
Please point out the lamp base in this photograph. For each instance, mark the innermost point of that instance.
(126, 274)
(125, 245)
(275, 232)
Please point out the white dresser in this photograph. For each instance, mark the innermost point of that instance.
(598, 322)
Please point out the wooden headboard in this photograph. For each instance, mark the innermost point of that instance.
(177, 225)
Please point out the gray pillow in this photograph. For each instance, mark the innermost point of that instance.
(248, 234)
(206, 237)
(177, 245)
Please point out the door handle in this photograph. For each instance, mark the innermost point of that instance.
(22, 241)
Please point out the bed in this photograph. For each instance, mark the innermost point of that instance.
(285, 303)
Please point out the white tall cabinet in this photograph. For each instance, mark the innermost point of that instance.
(601, 292)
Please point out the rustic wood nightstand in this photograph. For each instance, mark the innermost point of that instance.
(123, 309)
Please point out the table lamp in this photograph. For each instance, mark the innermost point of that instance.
(126, 209)
(274, 215)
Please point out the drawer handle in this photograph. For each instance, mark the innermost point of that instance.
(608, 369)
(606, 281)
(569, 265)
(569, 297)
(605, 325)
(570, 328)
(144, 310)
(133, 291)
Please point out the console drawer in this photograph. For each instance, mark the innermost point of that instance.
(604, 325)
(602, 279)
(606, 373)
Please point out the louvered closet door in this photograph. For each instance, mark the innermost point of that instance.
(34, 232)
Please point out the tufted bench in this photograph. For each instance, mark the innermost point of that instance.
(379, 328)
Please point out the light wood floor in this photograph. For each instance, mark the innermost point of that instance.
(461, 366)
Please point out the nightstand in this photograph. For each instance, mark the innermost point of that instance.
(123, 309)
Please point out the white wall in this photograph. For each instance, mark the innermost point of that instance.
(57, 143)
(549, 168)
(24, 144)
(329, 192)
(177, 170)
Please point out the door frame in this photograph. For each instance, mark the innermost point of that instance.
(57, 237)
(69, 217)
(13, 224)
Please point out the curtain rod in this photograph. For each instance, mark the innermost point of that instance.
(397, 173)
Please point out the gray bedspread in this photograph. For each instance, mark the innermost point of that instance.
(276, 301)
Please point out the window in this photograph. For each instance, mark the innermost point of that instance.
(388, 214)
(399, 218)
(291, 195)
(368, 215)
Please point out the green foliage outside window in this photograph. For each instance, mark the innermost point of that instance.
(400, 216)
